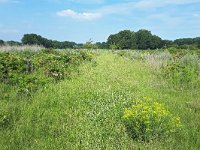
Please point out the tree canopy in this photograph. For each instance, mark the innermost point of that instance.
(2, 42)
(143, 39)
(34, 39)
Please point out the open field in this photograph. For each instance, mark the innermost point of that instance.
(79, 103)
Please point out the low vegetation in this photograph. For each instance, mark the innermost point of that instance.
(99, 99)
(147, 120)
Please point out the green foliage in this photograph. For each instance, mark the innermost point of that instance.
(198, 43)
(13, 43)
(123, 40)
(9, 114)
(145, 40)
(167, 43)
(5, 120)
(181, 74)
(85, 112)
(2, 43)
(113, 46)
(86, 55)
(10, 64)
(178, 54)
(142, 39)
(34, 39)
(29, 85)
(148, 119)
(32, 70)
(89, 44)
(101, 45)
(127, 40)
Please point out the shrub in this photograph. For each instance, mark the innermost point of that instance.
(86, 55)
(180, 74)
(148, 119)
(30, 71)
(28, 85)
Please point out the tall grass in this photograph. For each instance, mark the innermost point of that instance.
(85, 112)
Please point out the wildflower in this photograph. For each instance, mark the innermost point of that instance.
(147, 118)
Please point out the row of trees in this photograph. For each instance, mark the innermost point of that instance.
(11, 43)
(144, 39)
(34, 39)
(188, 41)
(126, 39)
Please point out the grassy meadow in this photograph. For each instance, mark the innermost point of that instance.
(75, 99)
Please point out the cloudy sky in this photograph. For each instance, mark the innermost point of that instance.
(80, 20)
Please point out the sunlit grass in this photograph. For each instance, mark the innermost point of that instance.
(85, 112)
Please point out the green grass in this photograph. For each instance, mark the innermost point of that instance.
(85, 111)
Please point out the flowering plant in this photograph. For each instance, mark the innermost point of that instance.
(148, 119)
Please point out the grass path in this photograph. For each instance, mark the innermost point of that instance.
(85, 112)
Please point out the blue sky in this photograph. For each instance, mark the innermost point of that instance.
(80, 20)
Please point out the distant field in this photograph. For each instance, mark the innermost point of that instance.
(75, 99)
(6, 48)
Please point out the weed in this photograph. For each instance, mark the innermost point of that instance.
(148, 119)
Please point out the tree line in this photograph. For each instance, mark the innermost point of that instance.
(11, 43)
(144, 39)
(126, 39)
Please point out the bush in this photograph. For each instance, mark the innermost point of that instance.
(30, 71)
(180, 74)
(148, 119)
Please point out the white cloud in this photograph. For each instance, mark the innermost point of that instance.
(79, 16)
(124, 7)
(142, 5)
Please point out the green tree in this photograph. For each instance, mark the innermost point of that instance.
(144, 39)
(13, 43)
(127, 39)
(123, 40)
(2, 42)
(113, 40)
(156, 42)
(167, 43)
(101, 45)
(32, 39)
(184, 41)
(198, 43)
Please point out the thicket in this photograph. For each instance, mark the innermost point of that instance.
(30, 70)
